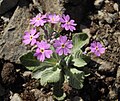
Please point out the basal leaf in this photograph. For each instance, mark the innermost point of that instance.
(79, 62)
(37, 74)
(79, 40)
(50, 75)
(33, 64)
(29, 61)
(57, 89)
(76, 78)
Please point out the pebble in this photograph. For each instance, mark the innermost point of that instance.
(98, 3)
(87, 31)
(109, 20)
(39, 96)
(117, 33)
(27, 73)
(105, 42)
(112, 95)
(105, 66)
(119, 40)
(107, 1)
(116, 7)
(16, 97)
(118, 76)
(37, 93)
(5, 19)
(100, 14)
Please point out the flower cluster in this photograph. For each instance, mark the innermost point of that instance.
(62, 44)
(97, 48)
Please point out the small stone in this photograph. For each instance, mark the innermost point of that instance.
(37, 93)
(39, 96)
(98, 3)
(87, 31)
(100, 14)
(27, 73)
(118, 76)
(117, 33)
(119, 40)
(16, 97)
(105, 42)
(116, 7)
(112, 94)
(105, 66)
(5, 19)
(109, 20)
(107, 1)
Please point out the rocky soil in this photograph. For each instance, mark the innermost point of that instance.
(100, 19)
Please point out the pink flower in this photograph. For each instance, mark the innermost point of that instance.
(67, 23)
(43, 50)
(53, 18)
(39, 20)
(63, 45)
(97, 48)
(30, 37)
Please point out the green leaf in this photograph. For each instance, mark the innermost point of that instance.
(79, 62)
(57, 89)
(53, 62)
(37, 74)
(78, 59)
(33, 64)
(79, 40)
(76, 78)
(50, 75)
(68, 60)
(29, 61)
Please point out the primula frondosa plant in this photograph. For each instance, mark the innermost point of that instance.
(54, 58)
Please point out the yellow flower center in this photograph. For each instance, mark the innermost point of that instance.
(53, 19)
(63, 46)
(31, 37)
(41, 50)
(38, 18)
(68, 23)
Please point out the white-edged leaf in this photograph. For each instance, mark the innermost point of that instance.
(29, 61)
(50, 75)
(79, 62)
(76, 78)
(79, 40)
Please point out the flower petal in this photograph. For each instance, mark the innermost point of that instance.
(66, 51)
(26, 42)
(63, 39)
(37, 35)
(48, 53)
(33, 42)
(42, 57)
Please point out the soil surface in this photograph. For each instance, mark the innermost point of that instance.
(102, 23)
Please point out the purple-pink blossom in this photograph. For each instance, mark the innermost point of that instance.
(43, 51)
(39, 20)
(97, 48)
(30, 37)
(53, 18)
(67, 23)
(63, 45)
